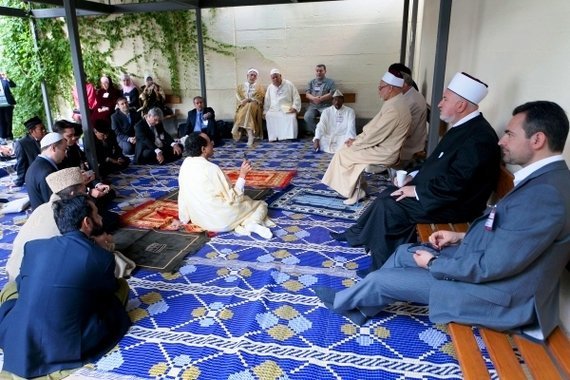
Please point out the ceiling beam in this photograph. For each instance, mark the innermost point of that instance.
(242, 3)
(80, 5)
(13, 12)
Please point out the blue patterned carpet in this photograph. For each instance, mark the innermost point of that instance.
(242, 308)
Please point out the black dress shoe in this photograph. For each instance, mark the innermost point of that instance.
(338, 236)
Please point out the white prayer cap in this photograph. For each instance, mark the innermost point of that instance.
(392, 80)
(64, 178)
(274, 71)
(338, 93)
(468, 87)
(252, 70)
(49, 139)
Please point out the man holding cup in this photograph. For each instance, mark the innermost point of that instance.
(453, 184)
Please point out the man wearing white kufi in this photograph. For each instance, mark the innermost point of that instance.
(452, 185)
(249, 112)
(282, 103)
(379, 142)
(335, 127)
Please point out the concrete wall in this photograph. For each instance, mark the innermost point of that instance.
(519, 47)
(356, 39)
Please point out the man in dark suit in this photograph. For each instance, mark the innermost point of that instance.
(202, 120)
(154, 144)
(504, 272)
(53, 147)
(7, 103)
(70, 307)
(28, 147)
(453, 185)
(123, 123)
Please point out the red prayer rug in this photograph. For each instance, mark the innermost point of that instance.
(161, 214)
(263, 178)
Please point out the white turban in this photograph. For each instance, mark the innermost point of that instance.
(274, 71)
(468, 87)
(252, 70)
(392, 80)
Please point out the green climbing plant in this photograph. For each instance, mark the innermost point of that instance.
(151, 40)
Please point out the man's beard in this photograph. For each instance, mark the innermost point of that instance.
(97, 229)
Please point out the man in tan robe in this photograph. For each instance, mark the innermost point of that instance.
(379, 143)
(208, 199)
(249, 113)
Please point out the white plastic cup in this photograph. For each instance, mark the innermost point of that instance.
(401, 177)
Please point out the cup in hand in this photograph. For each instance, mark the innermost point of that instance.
(401, 177)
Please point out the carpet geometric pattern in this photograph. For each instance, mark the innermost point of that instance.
(243, 307)
(323, 202)
(263, 178)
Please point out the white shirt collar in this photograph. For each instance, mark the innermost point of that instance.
(465, 119)
(528, 170)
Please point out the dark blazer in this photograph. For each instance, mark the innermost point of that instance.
(74, 157)
(459, 175)
(509, 277)
(188, 128)
(26, 150)
(145, 147)
(124, 129)
(62, 317)
(36, 185)
(109, 149)
(6, 84)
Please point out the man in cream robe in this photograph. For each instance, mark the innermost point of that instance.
(282, 103)
(379, 143)
(335, 127)
(208, 199)
(249, 113)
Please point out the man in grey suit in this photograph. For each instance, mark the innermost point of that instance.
(504, 272)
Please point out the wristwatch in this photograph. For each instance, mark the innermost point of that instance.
(428, 265)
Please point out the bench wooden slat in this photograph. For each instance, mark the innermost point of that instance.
(559, 345)
(537, 359)
(501, 351)
(468, 352)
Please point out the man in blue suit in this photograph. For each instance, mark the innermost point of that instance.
(200, 119)
(504, 272)
(123, 123)
(70, 307)
(53, 147)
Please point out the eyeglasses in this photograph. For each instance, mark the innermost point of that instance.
(382, 87)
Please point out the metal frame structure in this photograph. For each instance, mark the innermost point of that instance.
(71, 9)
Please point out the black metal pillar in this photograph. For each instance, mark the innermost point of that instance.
(404, 41)
(79, 74)
(439, 71)
(201, 54)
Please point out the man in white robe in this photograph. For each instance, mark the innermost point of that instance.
(379, 143)
(282, 103)
(335, 127)
(208, 199)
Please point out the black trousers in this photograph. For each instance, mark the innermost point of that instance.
(6, 116)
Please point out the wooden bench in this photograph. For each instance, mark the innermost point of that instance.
(541, 361)
(514, 357)
(349, 97)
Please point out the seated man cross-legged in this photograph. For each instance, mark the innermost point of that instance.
(69, 307)
(153, 144)
(208, 199)
(504, 272)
